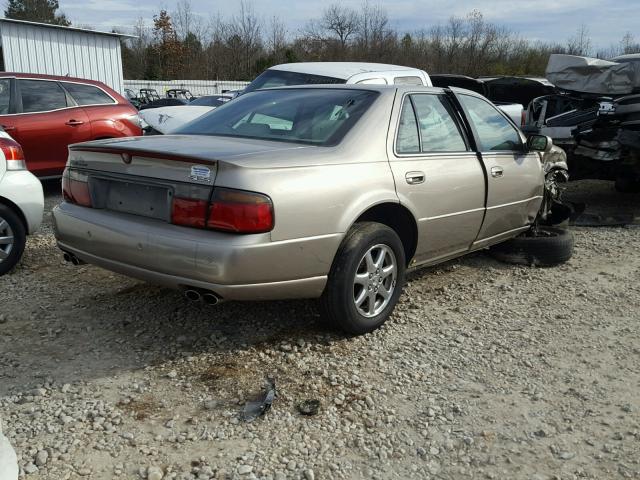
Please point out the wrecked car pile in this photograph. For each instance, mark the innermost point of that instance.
(595, 117)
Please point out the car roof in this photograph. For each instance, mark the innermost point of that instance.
(342, 70)
(51, 77)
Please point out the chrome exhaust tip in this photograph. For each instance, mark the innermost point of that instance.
(193, 295)
(210, 299)
(67, 257)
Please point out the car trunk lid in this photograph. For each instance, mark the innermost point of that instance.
(145, 175)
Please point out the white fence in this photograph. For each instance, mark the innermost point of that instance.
(197, 87)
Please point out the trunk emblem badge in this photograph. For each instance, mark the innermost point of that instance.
(200, 173)
(126, 158)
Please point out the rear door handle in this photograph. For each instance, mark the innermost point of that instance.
(8, 128)
(497, 172)
(414, 178)
(73, 123)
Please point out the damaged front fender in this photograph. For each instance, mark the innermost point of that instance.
(556, 172)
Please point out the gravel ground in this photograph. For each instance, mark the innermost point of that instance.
(485, 371)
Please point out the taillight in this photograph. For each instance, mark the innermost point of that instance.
(189, 213)
(229, 210)
(240, 212)
(75, 188)
(13, 154)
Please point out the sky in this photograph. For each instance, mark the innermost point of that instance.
(548, 20)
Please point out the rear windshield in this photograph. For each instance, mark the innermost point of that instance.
(310, 116)
(279, 78)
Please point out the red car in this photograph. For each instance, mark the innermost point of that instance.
(45, 114)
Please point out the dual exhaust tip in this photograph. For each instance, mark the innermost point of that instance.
(194, 295)
(207, 297)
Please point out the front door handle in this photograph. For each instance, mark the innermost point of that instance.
(8, 128)
(73, 123)
(414, 178)
(497, 172)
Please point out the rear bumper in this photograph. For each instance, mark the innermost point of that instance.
(235, 267)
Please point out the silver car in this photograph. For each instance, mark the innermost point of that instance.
(305, 192)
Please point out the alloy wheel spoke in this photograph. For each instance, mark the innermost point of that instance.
(361, 279)
(389, 270)
(372, 303)
(381, 256)
(371, 266)
(6, 240)
(384, 293)
(3, 254)
(3, 225)
(362, 296)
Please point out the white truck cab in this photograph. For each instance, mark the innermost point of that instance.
(310, 73)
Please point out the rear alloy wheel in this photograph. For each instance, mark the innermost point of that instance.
(12, 239)
(366, 279)
(541, 247)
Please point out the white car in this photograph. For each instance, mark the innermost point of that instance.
(21, 202)
(163, 120)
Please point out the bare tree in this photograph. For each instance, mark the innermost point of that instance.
(628, 44)
(341, 22)
(580, 43)
(277, 39)
(375, 38)
(245, 37)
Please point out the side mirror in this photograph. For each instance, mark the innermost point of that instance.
(539, 143)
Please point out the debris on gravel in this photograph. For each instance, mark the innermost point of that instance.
(485, 370)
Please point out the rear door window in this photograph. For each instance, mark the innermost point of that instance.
(87, 94)
(494, 131)
(427, 125)
(41, 96)
(439, 131)
(408, 139)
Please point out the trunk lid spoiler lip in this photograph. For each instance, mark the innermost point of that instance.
(142, 153)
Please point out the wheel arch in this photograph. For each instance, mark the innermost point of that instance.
(397, 217)
(17, 210)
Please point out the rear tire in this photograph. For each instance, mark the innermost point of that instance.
(13, 238)
(544, 247)
(366, 279)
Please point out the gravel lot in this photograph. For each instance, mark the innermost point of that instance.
(485, 371)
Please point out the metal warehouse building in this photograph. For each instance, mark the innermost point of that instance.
(29, 47)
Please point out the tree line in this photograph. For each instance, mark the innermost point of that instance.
(182, 45)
